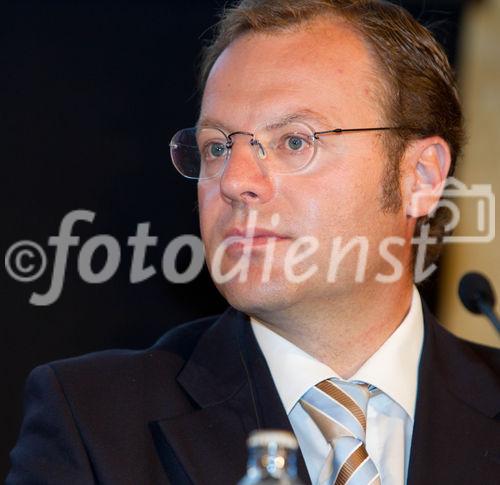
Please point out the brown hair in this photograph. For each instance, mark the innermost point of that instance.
(421, 90)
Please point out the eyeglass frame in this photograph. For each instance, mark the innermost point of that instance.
(254, 141)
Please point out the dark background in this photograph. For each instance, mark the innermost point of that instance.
(90, 94)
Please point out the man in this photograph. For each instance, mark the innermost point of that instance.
(326, 132)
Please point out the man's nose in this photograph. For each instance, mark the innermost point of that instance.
(245, 177)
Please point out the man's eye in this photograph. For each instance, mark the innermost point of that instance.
(216, 150)
(295, 142)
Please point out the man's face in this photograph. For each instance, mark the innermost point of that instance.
(325, 74)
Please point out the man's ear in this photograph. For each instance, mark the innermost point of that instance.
(428, 164)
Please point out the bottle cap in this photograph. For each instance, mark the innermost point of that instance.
(264, 437)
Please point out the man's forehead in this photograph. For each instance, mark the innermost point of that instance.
(312, 44)
(289, 72)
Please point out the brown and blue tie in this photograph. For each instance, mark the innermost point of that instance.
(338, 408)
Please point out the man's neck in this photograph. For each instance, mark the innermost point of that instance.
(344, 334)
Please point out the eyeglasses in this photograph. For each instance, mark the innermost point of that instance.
(284, 147)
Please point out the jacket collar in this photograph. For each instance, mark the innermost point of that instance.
(228, 379)
(216, 371)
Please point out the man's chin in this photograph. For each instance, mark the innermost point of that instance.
(256, 300)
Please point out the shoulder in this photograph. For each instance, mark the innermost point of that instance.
(126, 375)
(458, 354)
(175, 345)
(490, 356)
(99, 408)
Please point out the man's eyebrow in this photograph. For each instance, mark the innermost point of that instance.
(208, 122)
(307, 114)
(304, 114)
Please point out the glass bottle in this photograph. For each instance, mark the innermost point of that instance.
(272, 459)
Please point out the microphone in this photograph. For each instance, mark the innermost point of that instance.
(477, 295)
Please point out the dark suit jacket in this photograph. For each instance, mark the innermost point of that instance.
(180, 412)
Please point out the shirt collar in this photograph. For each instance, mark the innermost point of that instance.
(393, 368)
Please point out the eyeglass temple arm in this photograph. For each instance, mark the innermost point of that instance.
(342, 130)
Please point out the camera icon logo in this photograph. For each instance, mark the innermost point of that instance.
(472, 212)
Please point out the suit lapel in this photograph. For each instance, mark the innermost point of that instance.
(233, 393)
(209, 444)
(270, 411)
(455, 438)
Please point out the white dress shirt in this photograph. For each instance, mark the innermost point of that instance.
(393, 369)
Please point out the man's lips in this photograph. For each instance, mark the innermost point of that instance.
(254, 238)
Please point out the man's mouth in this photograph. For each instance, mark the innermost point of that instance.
(256, 237)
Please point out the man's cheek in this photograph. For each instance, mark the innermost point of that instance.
(208, 190)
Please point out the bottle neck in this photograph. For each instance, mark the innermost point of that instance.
(272, 462)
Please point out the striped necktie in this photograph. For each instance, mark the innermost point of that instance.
(338, 408)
